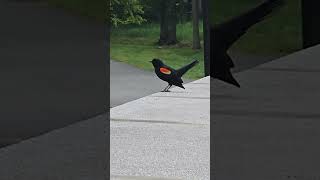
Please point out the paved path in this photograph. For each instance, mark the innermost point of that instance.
(128, 83)
(163, 135)
(269, 128)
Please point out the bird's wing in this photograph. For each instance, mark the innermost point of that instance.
(174, 75)
(164, 70)
(233, 29)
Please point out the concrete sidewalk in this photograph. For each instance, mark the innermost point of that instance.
(269, 128)
(164, 135)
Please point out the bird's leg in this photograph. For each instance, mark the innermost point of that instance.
(169, 88)
(165, 89)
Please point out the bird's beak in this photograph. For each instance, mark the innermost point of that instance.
(150, 61)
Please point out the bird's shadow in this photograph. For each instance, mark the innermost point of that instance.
(174, 92)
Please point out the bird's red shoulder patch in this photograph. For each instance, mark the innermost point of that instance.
(165, 71)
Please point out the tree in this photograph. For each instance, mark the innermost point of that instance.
(126, 12)
(168, 22)
(163, 22)
(172, 22)
(195, 20)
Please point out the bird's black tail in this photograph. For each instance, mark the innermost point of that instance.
(184, 69)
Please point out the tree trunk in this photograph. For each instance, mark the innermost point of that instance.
(172, 22)
(168, 22)
(200, 8)
(163, 23)
(311, 27)
(195, 20)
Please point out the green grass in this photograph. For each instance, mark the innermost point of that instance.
(140, 55)
(136, 45)
(280, 33)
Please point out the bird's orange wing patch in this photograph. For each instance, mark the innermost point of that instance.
(165, 71)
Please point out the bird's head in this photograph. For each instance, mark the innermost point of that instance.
(156, 62)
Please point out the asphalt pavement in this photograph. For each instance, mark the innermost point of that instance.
(128, 83)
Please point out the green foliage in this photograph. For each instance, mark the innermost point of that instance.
(126, 12)
(117, 11)
(152, 8)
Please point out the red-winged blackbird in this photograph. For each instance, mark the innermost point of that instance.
(225, 34)
(170, 75)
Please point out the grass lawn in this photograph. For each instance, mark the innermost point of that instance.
(135, 45)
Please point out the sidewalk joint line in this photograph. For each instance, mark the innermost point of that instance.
(197, 83)
(181, 97)
(155, 121)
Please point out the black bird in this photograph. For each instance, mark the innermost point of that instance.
(170, 75)
(226, 33)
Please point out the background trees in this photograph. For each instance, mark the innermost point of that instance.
(168, 13)
(126, 12)
(147, 29)
(195, 20)
(168, 22)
